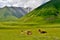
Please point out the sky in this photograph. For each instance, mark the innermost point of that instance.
(22, 3)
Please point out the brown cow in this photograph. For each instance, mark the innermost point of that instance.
(42, 31)
(29, 33)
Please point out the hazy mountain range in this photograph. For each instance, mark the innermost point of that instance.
(48, 12)
(12, 13)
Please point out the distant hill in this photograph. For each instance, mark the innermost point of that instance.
(46, 13)
(12, 13)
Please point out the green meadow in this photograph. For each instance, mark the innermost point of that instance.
(16, 34)
(46, 18)
(11, 31)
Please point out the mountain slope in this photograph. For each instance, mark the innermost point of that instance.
(11, 13)
(47, 13)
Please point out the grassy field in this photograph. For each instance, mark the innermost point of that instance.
(13, 31)
(45, 17)
(16, 34)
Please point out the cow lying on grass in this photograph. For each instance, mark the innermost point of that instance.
(30, 32)
(42, 31)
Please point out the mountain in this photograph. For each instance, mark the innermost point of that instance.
(12, 13)
(46, 13)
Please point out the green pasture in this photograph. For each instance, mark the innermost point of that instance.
(8, 31)
(16, 34)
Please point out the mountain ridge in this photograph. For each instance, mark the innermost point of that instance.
(12, 12)
(47, 13)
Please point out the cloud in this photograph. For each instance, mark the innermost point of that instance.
(22, 3)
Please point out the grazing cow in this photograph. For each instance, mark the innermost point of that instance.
(39, 30)
(29, 33)
(22, 32)
(42, 31)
